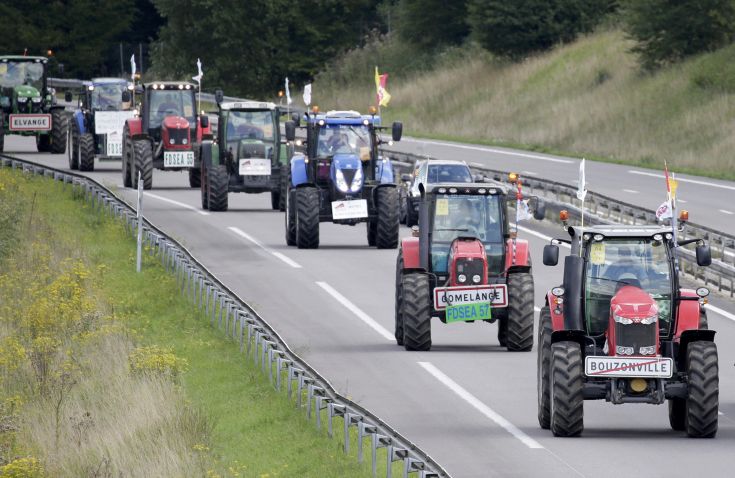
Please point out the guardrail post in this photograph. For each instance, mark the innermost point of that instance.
(303, 380)
(320, 403)
(334, 410)
(280, 363)
(311, 391)
(271, 354)
(350, 419)
(394, 454)
(363, 429)
(378, 441)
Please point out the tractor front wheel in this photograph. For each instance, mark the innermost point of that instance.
(73, 149)
(143, 158)
(43, 143)
(371, 232)
(290, 218)
(307, 217)
(543, 365)
(386, 229)
(416, 311)
(195, 178)
(275, 200)
(399, 299)
(86, 152)
(217, 187)
(567, 399)
(702, 401)
(677, 414)
(520, 312)
(127, 161)
(59, 129)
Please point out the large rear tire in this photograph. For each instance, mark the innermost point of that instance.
(290, 218)
(127, 160)
(307, 217)
(416, 312)
(217, 184)
(386, 229)
(702, 401)
(399, 299)
(86, 152)
(143, 159)
(520, 312)
(372, 227)
(543, 367)
(567, 399)
(43, 143)
(412, 218)
(59, 130)
(678, 414)
(73, 149)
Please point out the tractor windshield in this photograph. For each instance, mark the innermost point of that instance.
(170, 103)
(449, 173)
(466, 216)
(254, 125)
(615, 262)
(17, 73)
(108, 97)
(344, 139)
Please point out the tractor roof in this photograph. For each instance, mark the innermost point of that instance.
(441, 162)
(40, 59)
(170, 85)
(344, 117)
(624, 230)
(466, 188)
(107, 81)
(247, 105)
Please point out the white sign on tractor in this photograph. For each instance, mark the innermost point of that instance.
(605, 366)
(111, 123)
(354, 209)
(255, 167)
(30, 122)
(495, 294)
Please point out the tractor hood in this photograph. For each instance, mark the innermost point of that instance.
(633, 303)
(346, 173)
(25, 91)
(175, 122)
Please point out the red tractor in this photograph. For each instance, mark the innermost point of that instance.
(621, 329)
(464, 265)
(167, 134)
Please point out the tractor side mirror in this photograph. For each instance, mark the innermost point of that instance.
(406, 178)
(219, 96)
(204, 121)
(296, 119)
(68, 97)
(551, 255)
(539, 212)
(397, 130)
(704, 255)
(290, 131)
(125, 96)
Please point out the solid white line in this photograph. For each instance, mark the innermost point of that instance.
(541, 236)
(721, 312)
(682, 201)
(725, 211)
(477, 164)
(683, 180)
(536, 308)
(479, 406)
(631, 191)
(267, 249)
(356, 310)
(489, 150)
(177, 203)
(530, 173)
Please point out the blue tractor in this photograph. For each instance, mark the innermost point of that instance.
(97, 125)
(340, 178)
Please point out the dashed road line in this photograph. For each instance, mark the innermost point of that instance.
(630, 191)
(725, 211)
(490, 150)
(683, 180)
(267, 249)
(541, 236)
(721, 312)
(369, 321)
(177, 203)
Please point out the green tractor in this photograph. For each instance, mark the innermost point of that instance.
(248, 156)
(28, 105)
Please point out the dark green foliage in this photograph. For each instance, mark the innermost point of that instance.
(515, 29)
(668, 30)
(432, 23)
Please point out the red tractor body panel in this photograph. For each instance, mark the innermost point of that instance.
(135, 126)
(517, 253)
(176, 128)
(203, 132)
(639, 315)
(410, 248)
(467, 257)
(556, 307)
(687, 317)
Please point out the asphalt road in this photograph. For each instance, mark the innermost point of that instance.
(710, 202)
(468, 403)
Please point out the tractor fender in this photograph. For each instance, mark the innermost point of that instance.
(203, 134)
(517, 255)
(298, 170)
(570, 336)
(135, 127)
(557, 318)
(687, 337)
(208, 154)
(410, 251)
(78, 118)
(384, 171)
(687, 316)
(56, 107)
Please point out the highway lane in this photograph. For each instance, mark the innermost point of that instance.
(709, 201)
(479, 422)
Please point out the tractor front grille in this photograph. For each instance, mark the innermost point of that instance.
(636, 337)
(469, 268)
(177, 136)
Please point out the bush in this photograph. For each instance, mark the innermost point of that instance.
(432, 23)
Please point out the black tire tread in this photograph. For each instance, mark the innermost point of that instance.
(416, 312)
(307, 217)
(387, 227)
(217, 187)
(398, 333)
(567, 399)
(543, 368)
(520, 312)
(143, 159)
(703, 397)
(59, 130)
(86, 146)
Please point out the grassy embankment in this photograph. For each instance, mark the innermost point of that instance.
(589, 98)
(105, 372)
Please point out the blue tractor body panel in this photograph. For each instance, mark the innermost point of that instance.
(298, 170)
(384, 171)
(79, 120)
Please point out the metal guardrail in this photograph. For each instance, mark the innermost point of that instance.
(257, 339)
(602, 209)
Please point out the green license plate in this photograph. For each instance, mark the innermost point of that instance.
(465, 312)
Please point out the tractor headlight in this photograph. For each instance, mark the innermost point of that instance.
(620, 350)
(649, 320)
(36, 99)
(622, 320)
(184, 141)
(357, 180)
(648, 350)
(476, 278)
(171, 141)
(339, 180)
(462, 278)
(22, 99)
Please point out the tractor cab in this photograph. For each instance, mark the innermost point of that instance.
(169, 113)
(106, 94)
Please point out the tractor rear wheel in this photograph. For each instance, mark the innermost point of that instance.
(43, 143)
(73, 149)
(703, 397)
(416, 311)
(307, 217)
(399, 299)
(290, 218)
(275, 199)
(543, 366)
(143, 161)
(59, 128)
(567, 399)
(86, 151)
(503, 332)
(127, 161)
(283, 183)
(217, 187)
(195, 177)
(386, 229)
(520, 312)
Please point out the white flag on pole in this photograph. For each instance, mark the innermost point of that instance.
(288, 93)
(307, 94)
(523, 212)
(664, 211)
(582, 187)
(132, 67)
(199, 76)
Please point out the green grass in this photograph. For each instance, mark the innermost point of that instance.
(586, 99)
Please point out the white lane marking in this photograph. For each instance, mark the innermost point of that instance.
(530, 173)
(683, 180)
(177, 203)
(267, 249)
(725, 211)
(630, 191)
(536, 308)
(490, 150)
(477, 164)
(479, 406)
(721, 312)
(357, 311)
(682, 201)
(541, 236)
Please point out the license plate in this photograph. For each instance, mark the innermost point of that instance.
(496, 295)
(602, 366)
(255, 167)
(466, 312)
(178, 159)
(39, 122)
(349, 209)
(114, 148)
